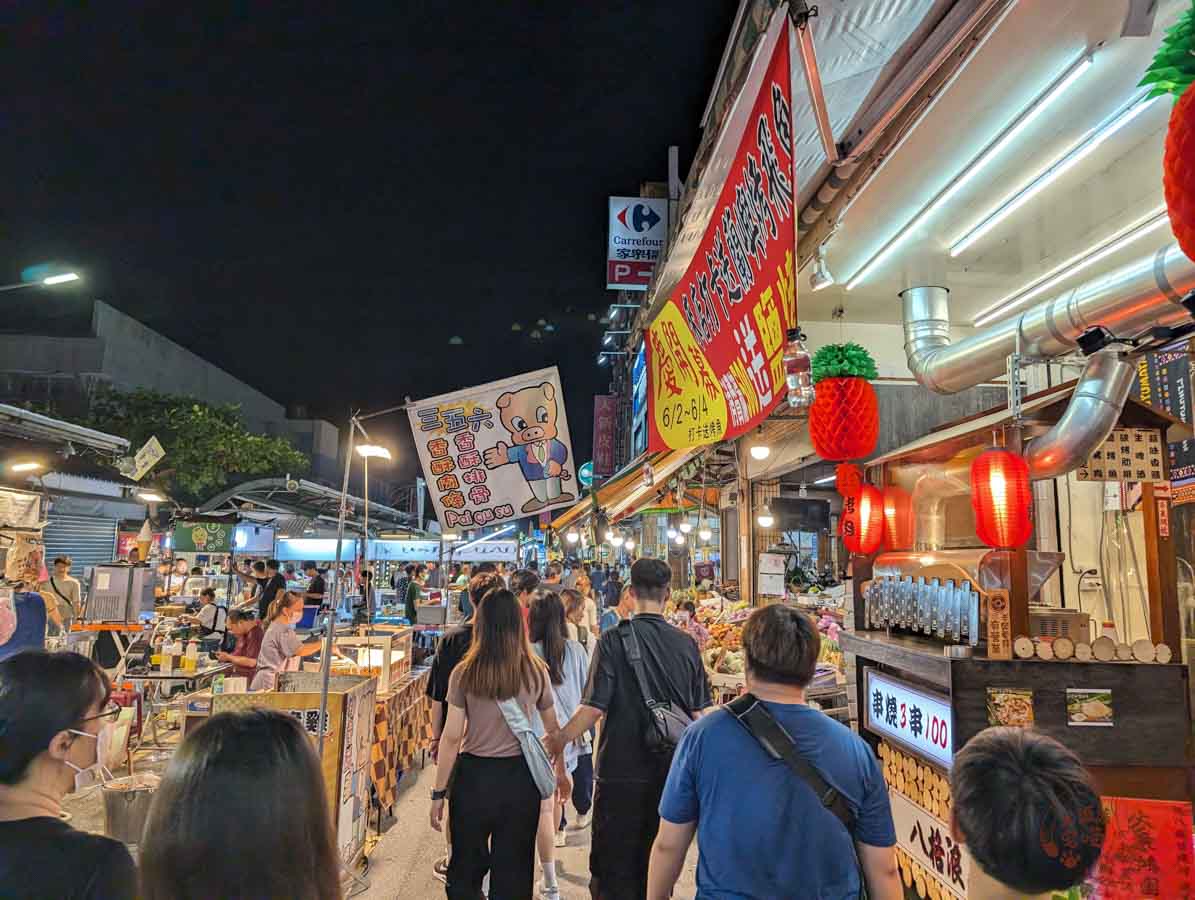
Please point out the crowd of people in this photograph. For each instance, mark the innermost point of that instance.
(669, 766)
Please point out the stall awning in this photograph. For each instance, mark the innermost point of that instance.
(627, 492)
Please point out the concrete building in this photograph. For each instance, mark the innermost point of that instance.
(119, 351)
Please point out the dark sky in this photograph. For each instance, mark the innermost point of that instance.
(317, 201)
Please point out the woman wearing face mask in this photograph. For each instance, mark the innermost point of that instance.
(281, 645)
(54, 719)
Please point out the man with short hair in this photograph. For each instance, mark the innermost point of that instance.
(761, 836)
(249, 635)
(414, 591)
(630, 778)
(552, 578)
(617, 609)
(524, 583)
(1027, 811)
(63, 591)
(316, 587)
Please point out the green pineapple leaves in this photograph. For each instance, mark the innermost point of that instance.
(843, 361)
(1173, 68)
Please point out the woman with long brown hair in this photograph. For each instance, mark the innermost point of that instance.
(567, 670)
(281, 644)
(494, 804)
(241, 812)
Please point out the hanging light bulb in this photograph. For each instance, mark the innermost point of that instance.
(572, 537)
(765, 519)
(706, 532)
(680, 540)
(671, 533)
(686, 526)
(616, 541)
(628, 545)
(759, 447)
(610, 536)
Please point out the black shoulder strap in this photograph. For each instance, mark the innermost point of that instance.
(631, 646)
(777, 743)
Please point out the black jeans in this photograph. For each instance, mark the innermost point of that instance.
(583, 783)
(493, 814)
(625, 821)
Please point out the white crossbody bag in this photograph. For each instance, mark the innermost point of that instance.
(534, 753)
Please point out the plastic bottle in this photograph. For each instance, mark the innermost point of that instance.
(1110, 631)
(797, 370)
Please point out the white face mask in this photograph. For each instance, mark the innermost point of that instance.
(97, 772)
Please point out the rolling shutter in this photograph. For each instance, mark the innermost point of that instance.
(87, 540)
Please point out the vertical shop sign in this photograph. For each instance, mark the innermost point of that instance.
(1146, 852)
(637, 236)
(1164, 382)
(605, 420)
(496, 452)
(715, 351)
(929, 841)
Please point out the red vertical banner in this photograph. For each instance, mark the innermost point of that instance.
(605, 421)
(715, 351)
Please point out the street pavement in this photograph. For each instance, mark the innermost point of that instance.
(400, 865)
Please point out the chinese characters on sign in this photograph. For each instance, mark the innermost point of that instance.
(918, 720)
(1127, 454)
(637, 235)
(1147, 850)
(605, 421)
(715, 351)
(928, 841)
(1164, 382)
(496, 452)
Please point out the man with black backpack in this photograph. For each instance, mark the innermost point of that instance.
(646, 684)
(811, 819)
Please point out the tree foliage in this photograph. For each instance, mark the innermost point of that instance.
(207, 447)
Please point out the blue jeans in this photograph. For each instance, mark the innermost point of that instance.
(583, 783)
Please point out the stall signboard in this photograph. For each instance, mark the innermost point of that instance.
(715, 351)
(127, 540)
(496, 452)
(920, 721)
(202, 537)
(316, 549)
(1164, 382)
(1146, 852)
(605, 421)
(928, 840)
(146, 458)
(637, 236)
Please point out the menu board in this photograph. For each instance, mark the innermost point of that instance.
(1164, 382)
(921, 721)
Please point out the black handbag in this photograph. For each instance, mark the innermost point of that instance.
(667, 725)
(778, 744)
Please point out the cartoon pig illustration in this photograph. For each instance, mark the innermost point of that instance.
(530, 417)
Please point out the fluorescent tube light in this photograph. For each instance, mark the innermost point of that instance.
(1073, 266)
(825, 480)
(1080, 151)
(1010, 134)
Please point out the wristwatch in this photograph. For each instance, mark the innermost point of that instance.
(439, 795)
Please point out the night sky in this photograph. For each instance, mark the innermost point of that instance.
(318, 201)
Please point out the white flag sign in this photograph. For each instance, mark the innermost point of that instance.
(496, 452)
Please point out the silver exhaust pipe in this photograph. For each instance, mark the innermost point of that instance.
(1126, 301)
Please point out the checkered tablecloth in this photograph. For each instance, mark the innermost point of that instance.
(402, 727)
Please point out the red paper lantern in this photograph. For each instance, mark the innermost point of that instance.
(898, 519)
(1000, 496)
(863, 520)
(844, 420)
(847, 479)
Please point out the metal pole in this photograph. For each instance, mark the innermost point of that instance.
(337, 590)
(366, 584)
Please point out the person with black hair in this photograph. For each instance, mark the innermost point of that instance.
(54, 709)
(747, 845)
(630, 778)
(316, 586)
(523, 584)
(567, 668)
(1028, 813)
(212, 618)
(414, 592)
(256, 771)
(249, 635)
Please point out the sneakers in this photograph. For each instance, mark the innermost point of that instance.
(440, 869)
(561, 839)
(583, 822)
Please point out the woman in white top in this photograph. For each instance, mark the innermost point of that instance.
(568, 667)
(585, 589)
(281, 647)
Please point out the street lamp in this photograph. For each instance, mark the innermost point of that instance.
(572, 537)
(368, 452)
(48, 281)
